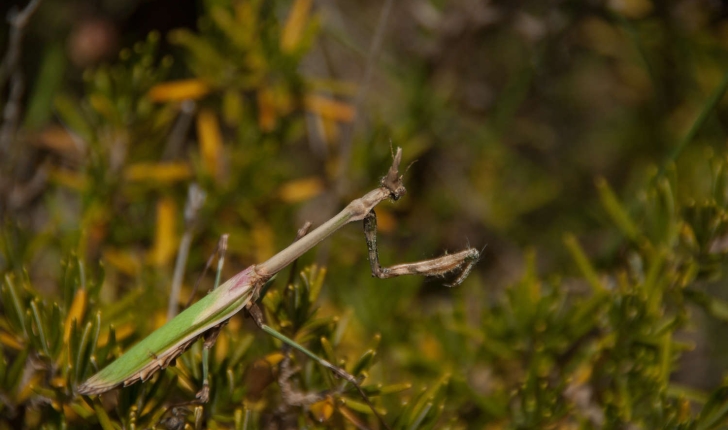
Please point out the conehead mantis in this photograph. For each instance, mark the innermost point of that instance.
(206, 317)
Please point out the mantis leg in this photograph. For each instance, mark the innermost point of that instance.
(286, 370)
(290, 396)
(220, 254)
(461, 262)
(257, 316)
(203, 395)
(210, 337)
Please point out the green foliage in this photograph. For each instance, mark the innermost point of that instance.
(49, 348)
(599, 350)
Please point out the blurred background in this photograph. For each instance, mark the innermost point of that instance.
(525, 122)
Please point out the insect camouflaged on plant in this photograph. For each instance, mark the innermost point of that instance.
(206, 317)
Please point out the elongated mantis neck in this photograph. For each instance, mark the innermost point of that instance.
(390, 187)
(354, 211)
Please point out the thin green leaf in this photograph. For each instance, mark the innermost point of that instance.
(615, 210)
(364, 362)
(19, 315)
(40, 326)
(80, 362)
(582, 262)
(715, 411)
(104, 419)
(15, 373)
(710, 104)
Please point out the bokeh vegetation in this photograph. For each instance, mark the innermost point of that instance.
(583, 142)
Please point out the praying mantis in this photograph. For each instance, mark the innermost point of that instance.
(206, 317)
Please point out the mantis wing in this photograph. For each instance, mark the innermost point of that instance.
(161, 347)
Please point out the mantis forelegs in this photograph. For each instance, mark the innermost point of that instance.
(462, 261)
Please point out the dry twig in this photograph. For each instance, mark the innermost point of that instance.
(10, 67)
